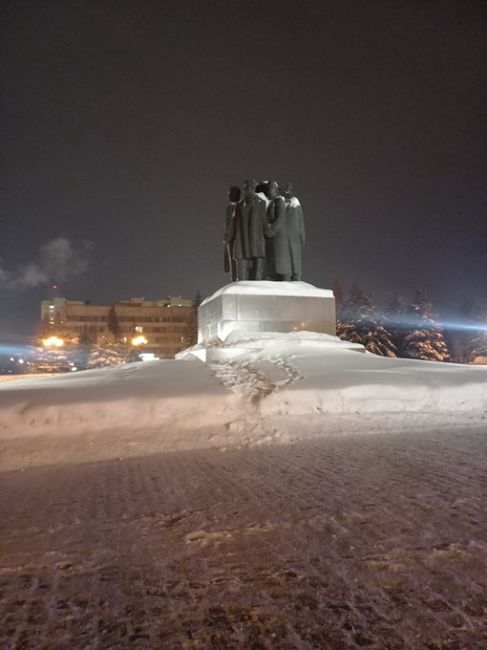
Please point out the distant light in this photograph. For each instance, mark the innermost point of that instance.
(21, 361)
(139, 340)
(53, 342)
(74, 369)
(54, 286)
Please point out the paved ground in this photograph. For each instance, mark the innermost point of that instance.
(376, 542)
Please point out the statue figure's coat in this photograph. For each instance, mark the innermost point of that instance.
(288, 237)
(249, 227)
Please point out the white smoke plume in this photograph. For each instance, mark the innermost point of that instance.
(58, 261)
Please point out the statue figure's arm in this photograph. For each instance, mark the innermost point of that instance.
(229, 233)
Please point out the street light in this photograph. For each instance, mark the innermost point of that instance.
(53, 342)
(139, 340)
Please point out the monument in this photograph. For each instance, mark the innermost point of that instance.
(264, 237)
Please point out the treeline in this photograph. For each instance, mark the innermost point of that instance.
(410, 329)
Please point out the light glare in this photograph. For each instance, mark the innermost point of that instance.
(139, 340)
(53, 342)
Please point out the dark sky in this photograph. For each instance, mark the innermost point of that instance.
(123, 124)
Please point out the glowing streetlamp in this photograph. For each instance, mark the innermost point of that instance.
(139, 340)
(53, 342)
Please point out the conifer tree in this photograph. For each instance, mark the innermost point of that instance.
(113, 325)
(476, 348)
(109, 352)
(197, 298)
(49, 360)
(395, 319)
(458, 334)
(85, 338)
(424, 338)
(359, 324)
(476, 339)
(338, 293)
(190, 336)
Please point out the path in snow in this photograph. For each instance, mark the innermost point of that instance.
(376, 542)
(255, 379)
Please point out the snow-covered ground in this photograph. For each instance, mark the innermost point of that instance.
(369, 531)
(249, 390)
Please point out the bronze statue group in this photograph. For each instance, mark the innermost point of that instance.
(264, 232)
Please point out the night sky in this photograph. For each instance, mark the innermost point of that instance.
(123, 124)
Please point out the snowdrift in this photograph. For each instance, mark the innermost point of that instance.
(249, 390)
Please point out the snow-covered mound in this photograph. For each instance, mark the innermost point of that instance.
(248, 390)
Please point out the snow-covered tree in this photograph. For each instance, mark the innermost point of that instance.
(49, 360)
(109, 352)
(424, 338)
(359, 324)
(475, 338)
(395, 319)
(460, 330)
(476, 348)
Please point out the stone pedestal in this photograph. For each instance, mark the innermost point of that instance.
(253, 306)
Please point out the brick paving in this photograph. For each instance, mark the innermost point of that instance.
(363, 541)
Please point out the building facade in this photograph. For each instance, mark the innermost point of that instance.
(161, 327)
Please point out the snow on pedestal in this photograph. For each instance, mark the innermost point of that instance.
(263, 306)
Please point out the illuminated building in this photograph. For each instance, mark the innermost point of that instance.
(162, 327)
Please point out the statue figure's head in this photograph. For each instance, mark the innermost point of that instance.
(234, 194)
(272, 190)
(287, 191)
(249, 187)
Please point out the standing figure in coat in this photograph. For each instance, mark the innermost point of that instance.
(286, 234)
(249, 234)
(295, 231)
(276, 266)
(229, 263)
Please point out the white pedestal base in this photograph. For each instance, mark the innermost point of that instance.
(254, 306)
